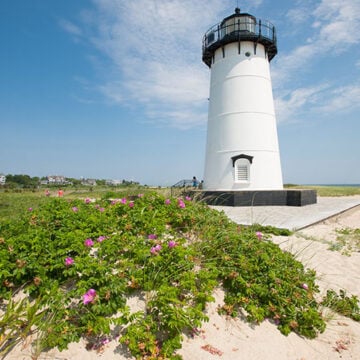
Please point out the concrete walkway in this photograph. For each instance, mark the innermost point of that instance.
(290, 217)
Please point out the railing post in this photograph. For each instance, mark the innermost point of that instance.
(259, 27)
(274, 33)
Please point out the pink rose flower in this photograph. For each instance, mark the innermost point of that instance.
(69, 261)
(89, 296)
(105, 341)
(88, 242)
(181, 203)
(155, 249)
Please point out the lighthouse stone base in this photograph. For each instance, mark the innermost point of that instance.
(286, 197)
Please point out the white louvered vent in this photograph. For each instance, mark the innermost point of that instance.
(242, 170)
(242, 173)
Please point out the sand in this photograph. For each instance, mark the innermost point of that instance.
(226, 338)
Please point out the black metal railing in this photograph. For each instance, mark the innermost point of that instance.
(240, 28)
(182, 184)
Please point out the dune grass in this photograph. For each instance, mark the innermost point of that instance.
(331, 191)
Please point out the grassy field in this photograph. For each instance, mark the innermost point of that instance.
(329, 190)
(11, 201)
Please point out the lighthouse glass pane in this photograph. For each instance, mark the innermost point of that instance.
(246, 23)
(210, 38)
(228, 27)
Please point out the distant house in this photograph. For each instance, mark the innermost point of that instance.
(57, 180)
(2, 179)
(88, 182)
(113, 182)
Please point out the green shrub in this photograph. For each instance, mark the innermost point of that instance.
(81, 260)
(342, 304)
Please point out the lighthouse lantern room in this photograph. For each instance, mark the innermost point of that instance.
(242, 151)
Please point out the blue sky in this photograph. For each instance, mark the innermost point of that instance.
(116, 89)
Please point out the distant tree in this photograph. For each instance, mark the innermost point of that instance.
(74, 181)
(24, 181)
(101, 182)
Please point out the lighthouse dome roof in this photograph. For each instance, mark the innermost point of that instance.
(236, 15)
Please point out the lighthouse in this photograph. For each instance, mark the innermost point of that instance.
(242, 150)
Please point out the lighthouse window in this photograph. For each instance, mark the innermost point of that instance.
(236, 24)
(228, 27)
(247, 23)
(242, 170)
(210, 38)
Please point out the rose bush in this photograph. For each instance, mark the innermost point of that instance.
(82, 265)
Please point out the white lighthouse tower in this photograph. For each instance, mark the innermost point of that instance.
(242, 151)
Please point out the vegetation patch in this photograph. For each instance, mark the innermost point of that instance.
(78, 261)
(347, 241)
(343, 304)
(328, 190)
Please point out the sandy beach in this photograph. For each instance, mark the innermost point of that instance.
(227, 338)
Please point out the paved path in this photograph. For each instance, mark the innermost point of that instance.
(291, 217)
